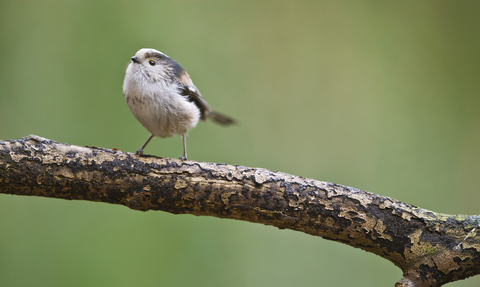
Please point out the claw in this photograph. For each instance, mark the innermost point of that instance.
(140, 151)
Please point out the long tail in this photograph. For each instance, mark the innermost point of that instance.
(221, 119)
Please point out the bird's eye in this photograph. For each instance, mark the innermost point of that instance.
(151, 62)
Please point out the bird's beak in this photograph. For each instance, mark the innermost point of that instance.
(135, 60)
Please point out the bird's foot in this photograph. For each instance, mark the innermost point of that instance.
(139, 152)
(182, 157)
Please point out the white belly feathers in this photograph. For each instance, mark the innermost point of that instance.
(163, 116)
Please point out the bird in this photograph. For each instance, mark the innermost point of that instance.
(163, 98)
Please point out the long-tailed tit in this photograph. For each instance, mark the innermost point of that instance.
(163, 98)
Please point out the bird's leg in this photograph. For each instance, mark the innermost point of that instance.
(140, 151)
(184, 157)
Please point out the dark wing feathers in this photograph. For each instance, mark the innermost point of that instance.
(188, 90)
(194, 96)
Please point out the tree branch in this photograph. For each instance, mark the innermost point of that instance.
(431, 248)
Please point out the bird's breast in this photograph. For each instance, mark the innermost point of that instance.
(160, 109)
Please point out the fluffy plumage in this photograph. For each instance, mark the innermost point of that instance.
(163, 98)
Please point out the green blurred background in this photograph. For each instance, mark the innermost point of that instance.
(377, 95)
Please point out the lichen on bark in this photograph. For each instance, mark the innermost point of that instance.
(431, 248)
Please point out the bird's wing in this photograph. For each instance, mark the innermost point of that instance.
(188, 90)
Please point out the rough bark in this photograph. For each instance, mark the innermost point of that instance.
(431, 248)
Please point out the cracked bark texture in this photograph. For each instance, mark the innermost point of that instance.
(431, 248)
